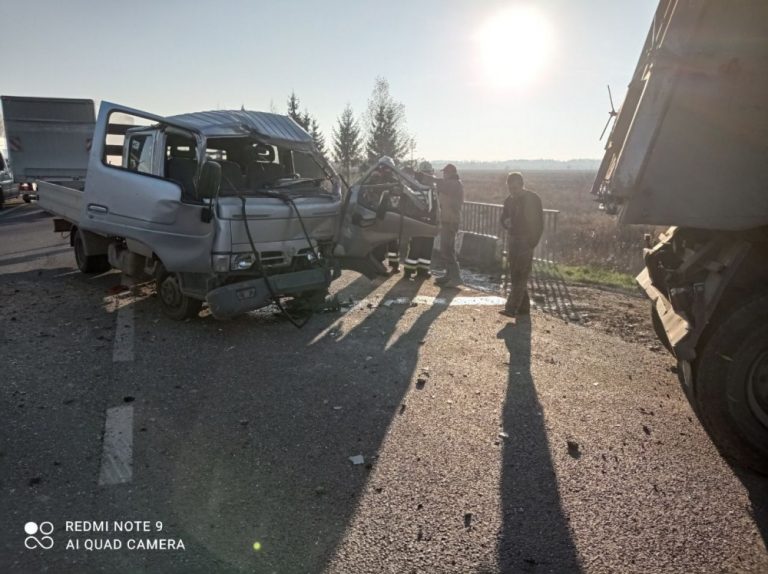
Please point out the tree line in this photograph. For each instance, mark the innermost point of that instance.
(357, 143)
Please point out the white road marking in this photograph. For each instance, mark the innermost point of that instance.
(117, 454)
(6, 212)
(483, 300)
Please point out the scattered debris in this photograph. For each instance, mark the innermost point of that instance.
(420, 382)
(337, 408)
(573, 449)
(243, 422)
(402, 408)
(128, 399)
(468, 520)
(35, 480)
(357, 459)
(503, 434)
(646, 430)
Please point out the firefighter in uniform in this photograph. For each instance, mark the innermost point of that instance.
(450, 193)
(418, 258)
(523, 218)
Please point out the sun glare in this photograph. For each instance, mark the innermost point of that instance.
(515, 46)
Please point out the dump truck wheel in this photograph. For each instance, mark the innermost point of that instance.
(731, 386)
(658, 328)
(88, 263)
(174, 303)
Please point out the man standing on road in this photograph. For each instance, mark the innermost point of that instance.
(450, 193)
(523, 218)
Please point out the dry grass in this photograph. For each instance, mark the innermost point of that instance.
(585, 236)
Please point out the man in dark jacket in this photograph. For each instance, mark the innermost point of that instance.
(450, 193)
(523, 218)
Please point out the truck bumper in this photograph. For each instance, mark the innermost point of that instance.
(231, 300)
(675, 325)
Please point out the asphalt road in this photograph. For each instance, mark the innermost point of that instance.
(543, 446)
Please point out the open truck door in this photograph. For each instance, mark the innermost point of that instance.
(146, 183)
(384, 205)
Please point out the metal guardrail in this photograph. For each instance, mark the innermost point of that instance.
(485, 218)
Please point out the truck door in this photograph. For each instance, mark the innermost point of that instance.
(135, 190)
(385, 204)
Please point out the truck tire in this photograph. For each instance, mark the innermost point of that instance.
(174, 303)
(88, 263)
(731, 385)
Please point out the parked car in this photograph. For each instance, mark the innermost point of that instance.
(8, 189)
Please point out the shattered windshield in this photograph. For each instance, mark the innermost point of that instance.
(250, 167)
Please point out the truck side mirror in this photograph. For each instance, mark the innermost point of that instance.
(210, 180)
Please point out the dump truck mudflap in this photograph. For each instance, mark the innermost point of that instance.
(231, 300)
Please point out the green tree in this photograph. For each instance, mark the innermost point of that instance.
(386, 125)
(317, 135)
(306, 121)
(347, 141)
(293, 111)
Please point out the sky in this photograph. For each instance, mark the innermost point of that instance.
(480, 79)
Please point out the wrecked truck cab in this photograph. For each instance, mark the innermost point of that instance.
(383, 205)
(203, 202)
(233, 208)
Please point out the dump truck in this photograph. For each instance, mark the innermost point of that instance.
(689, 149)
(236, 209)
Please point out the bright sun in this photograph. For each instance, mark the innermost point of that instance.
(515, 46)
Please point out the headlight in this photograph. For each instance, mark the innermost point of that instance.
(242, 262)
(220, 263)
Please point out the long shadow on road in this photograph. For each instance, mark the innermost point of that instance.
(535, 534)
(245, 428)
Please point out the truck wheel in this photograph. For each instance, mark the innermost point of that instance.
(658, 328)
(174, 303)
(88, 263)
(731, 386)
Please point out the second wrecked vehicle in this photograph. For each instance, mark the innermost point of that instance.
(233, 208)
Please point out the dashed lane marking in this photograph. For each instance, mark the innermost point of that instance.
(117, 453)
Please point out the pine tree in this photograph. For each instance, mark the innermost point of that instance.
(293, 109)
(306, 121)
(386, 119)
(347, 143)
(317, 135)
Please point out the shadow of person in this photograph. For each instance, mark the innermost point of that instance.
(550, 291)
(313, 400)
(535, 535)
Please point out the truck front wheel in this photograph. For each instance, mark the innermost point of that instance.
(174, 303)
(731, 385)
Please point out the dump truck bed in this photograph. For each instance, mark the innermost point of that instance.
(48, 138)
(690, 144)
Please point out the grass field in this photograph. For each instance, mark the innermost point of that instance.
(586, 238)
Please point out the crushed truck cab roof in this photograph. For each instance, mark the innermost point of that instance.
(271, 128)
